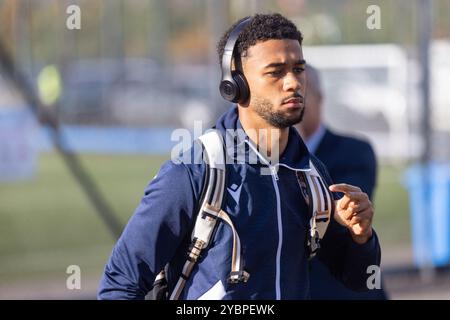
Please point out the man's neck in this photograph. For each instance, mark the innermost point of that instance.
(268, 138)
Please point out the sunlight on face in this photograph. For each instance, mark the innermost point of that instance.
(274, 70)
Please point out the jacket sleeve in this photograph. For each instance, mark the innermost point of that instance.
(152, 235)
(347, 260)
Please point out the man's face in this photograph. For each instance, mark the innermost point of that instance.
(274, 70)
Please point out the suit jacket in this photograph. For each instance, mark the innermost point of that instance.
(336, 152)
(348, 160)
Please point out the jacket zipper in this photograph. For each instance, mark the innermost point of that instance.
(280, 233)
(275, 178)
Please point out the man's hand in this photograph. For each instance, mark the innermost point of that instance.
(354, 211)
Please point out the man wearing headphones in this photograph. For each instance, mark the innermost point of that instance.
(273, 206)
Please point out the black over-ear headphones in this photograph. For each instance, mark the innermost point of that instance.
(233, 86)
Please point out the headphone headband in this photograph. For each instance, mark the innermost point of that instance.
(228, 52)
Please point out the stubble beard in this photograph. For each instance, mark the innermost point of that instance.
(265, 109)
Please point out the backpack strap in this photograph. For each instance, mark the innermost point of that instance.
(320, 204)
(210, 211)
(208, 214)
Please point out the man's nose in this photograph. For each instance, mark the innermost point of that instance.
(291, 82)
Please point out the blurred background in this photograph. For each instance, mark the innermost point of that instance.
(87, 111)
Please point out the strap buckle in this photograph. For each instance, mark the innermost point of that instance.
(195, 249)
(313, 242)
(238, 276)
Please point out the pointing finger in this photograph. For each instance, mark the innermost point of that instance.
(343, 187)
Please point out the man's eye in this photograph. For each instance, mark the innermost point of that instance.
(275, 73)
(299, 69)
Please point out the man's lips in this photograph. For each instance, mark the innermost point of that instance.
(294, 101)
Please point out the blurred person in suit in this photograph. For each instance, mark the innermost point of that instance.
(361, 170)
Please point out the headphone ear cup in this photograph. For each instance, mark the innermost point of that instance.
(243, 89)
(229, 90)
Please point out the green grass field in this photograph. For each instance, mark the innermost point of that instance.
(47, 224)
(392, 218)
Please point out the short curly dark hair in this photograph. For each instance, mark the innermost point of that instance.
(262, 27)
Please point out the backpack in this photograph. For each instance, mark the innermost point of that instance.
(313, 188)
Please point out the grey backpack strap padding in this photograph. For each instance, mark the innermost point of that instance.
(237, 273)
(207, 217)
(321, 208)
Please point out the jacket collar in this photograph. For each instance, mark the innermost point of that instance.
(239, 146)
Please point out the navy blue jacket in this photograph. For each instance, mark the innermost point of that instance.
(360, 170)
(270, 216)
